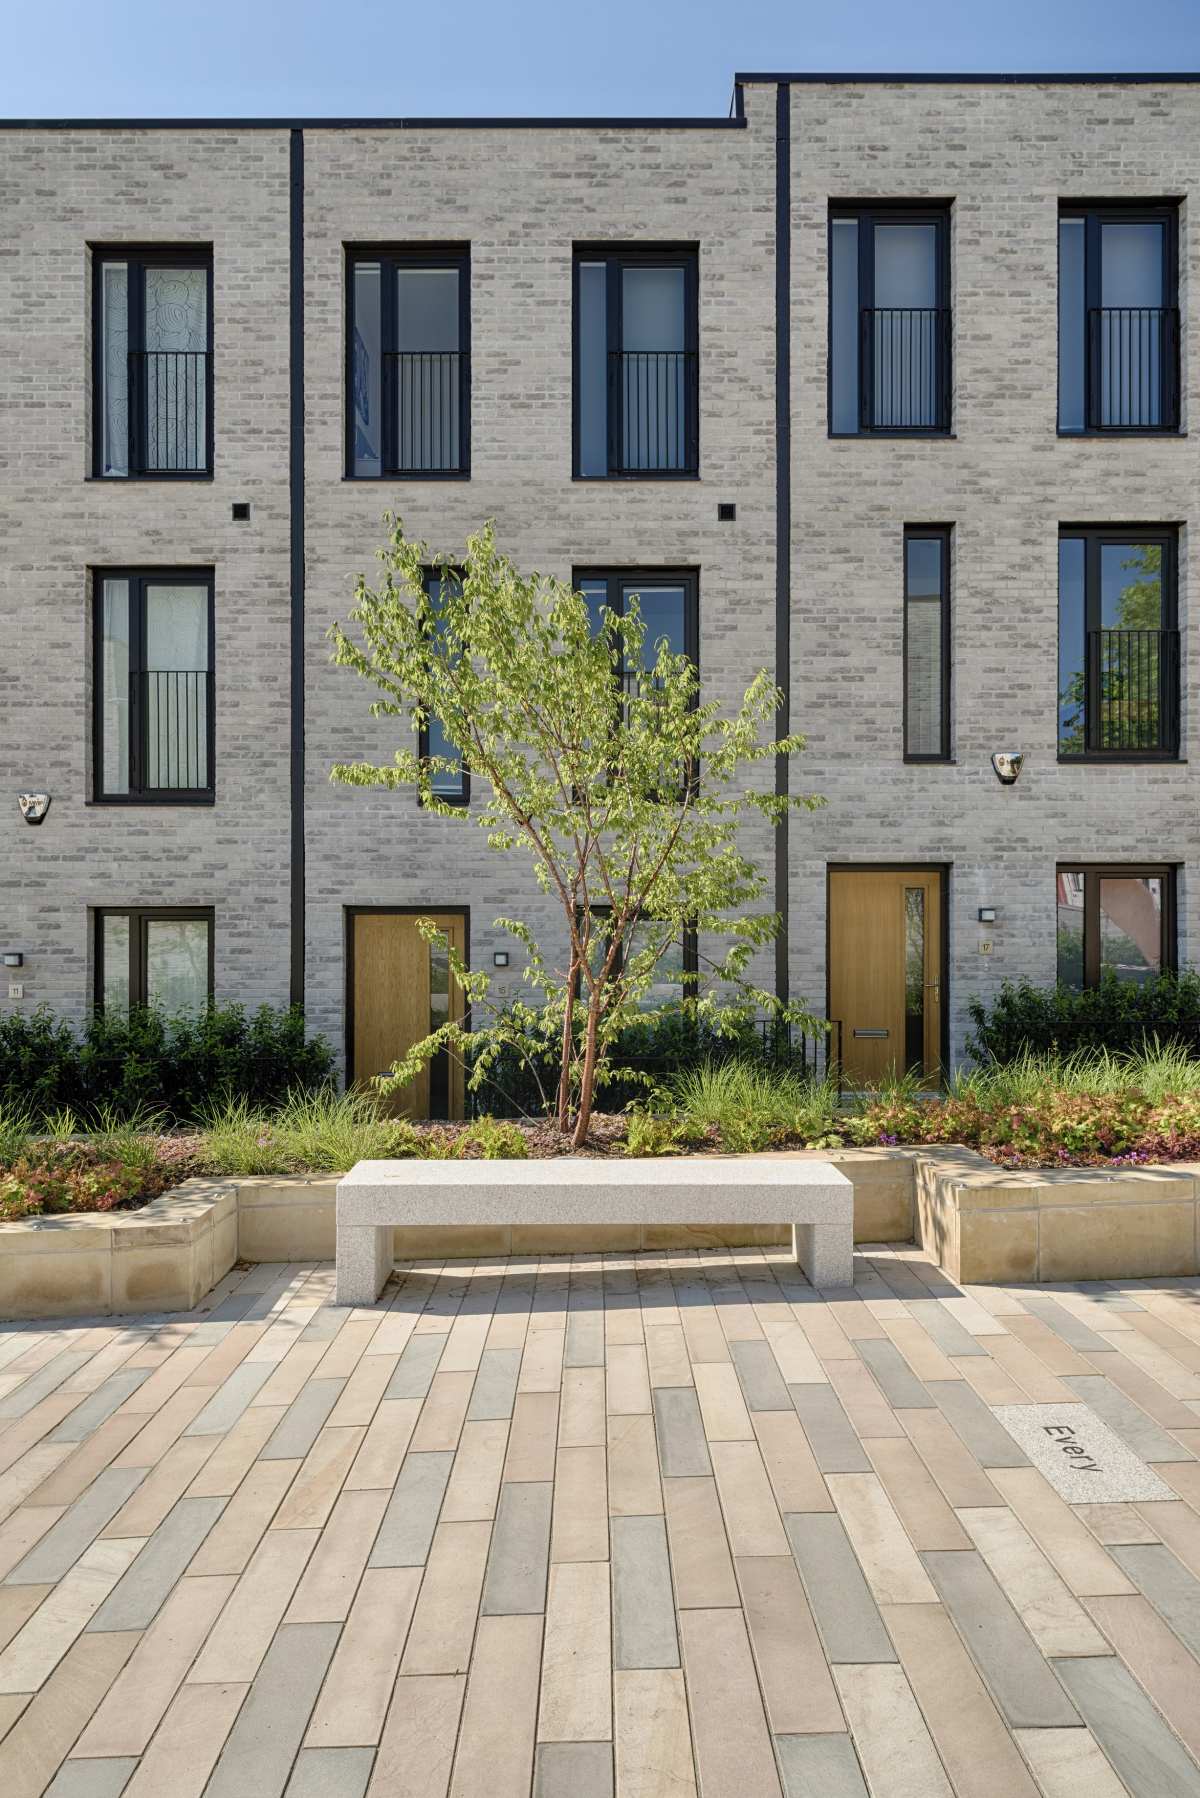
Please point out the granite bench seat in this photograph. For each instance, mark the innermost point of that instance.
(812, 1196)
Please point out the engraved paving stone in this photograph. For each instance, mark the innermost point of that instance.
(1085, 1461)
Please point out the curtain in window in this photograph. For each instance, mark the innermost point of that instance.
(175, 368)
(114, 373)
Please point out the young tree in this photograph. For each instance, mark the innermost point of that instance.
(596, 758)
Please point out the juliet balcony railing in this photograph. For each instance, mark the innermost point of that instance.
(1131, 699)
(905, 368)
(172, 734)
(170, 412)
(1133, 368)
(425, 404)
(653, 411)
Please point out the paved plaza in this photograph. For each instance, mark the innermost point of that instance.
(648, 1525)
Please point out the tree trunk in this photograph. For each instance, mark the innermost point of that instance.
(583, 1116)
(564, 1075)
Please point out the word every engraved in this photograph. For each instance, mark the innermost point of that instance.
(1084, 1460)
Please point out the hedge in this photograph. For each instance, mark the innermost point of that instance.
(1116, 1015)
(126, 1064)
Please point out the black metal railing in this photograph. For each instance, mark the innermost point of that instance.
(1133, 368)
(653, 411)
(173, 726)
(169, 412)
(904, 368)
(425, 404)
(1132, 693)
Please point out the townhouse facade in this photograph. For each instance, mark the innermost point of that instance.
(882, 384)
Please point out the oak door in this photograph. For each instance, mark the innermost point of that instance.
(885, 972)
(402, 990)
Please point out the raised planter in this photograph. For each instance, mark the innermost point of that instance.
(990, 1225)
(94, 1264)
(985, 1225)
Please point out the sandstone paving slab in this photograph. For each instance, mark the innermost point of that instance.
(1152, 1763)
(1139, 1431)
(1084, 1460)
(1020, 1680)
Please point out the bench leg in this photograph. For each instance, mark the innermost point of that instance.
(364, 1261)
(825, 1252)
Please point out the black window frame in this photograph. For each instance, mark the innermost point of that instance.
(1093, 873)
(614, 578)
(617, 257)
(1095, 213)
(690, 946)
(392, 257)
(1094, 536)
(867, 213)
(139, 579)
(139, 916)
(462, 798)
(139, 257)
(944, 534)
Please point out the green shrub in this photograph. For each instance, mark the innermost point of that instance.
(56, 1177)
(492, 1139)
(750, 1105)
(1117, 1016)
(128, 1065)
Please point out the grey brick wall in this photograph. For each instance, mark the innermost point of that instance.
(1005, 155)
(60, 192)
(521, 199)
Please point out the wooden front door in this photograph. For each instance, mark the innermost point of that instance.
(885, 972)
(402, 990)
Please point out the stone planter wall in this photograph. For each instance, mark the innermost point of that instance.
(985, 1225)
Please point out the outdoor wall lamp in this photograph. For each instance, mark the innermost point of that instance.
(987, 914)
(13, 958)
(500, 958)
(34, 806)
(1007, 763)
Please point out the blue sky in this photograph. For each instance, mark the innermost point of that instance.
(66, 58)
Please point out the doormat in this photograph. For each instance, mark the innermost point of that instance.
(1082, 1458)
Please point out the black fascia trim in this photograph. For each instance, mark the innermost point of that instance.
(296, 531)
(950, 78)
(783, 509)
(683, 123)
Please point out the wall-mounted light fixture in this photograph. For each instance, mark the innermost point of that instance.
(987, 914)
(1007, 763)
(13, 958)
(34, 806)
(500, 958)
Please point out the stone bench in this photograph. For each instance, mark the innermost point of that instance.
(375, 1196)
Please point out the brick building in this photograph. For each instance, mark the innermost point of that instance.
(925, 338)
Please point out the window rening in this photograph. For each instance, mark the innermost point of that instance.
(152, 365)
(160, 958)
(408, 389)
(152, 676)
(927, 643)
(450, 784)
(889, 320)
(636, 409)
(1118, 318)
(1118, 644)
(1117, 920)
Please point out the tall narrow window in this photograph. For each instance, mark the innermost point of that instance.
(1117, 921)
(1118, 645)
(1118, 318)
(636, 363)
(675, 973)
(889, 319)
(451, 784)
(408, 395)
(927, 644)
(153, 686)
(161, 958)
(152, 362)
(668, 603)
